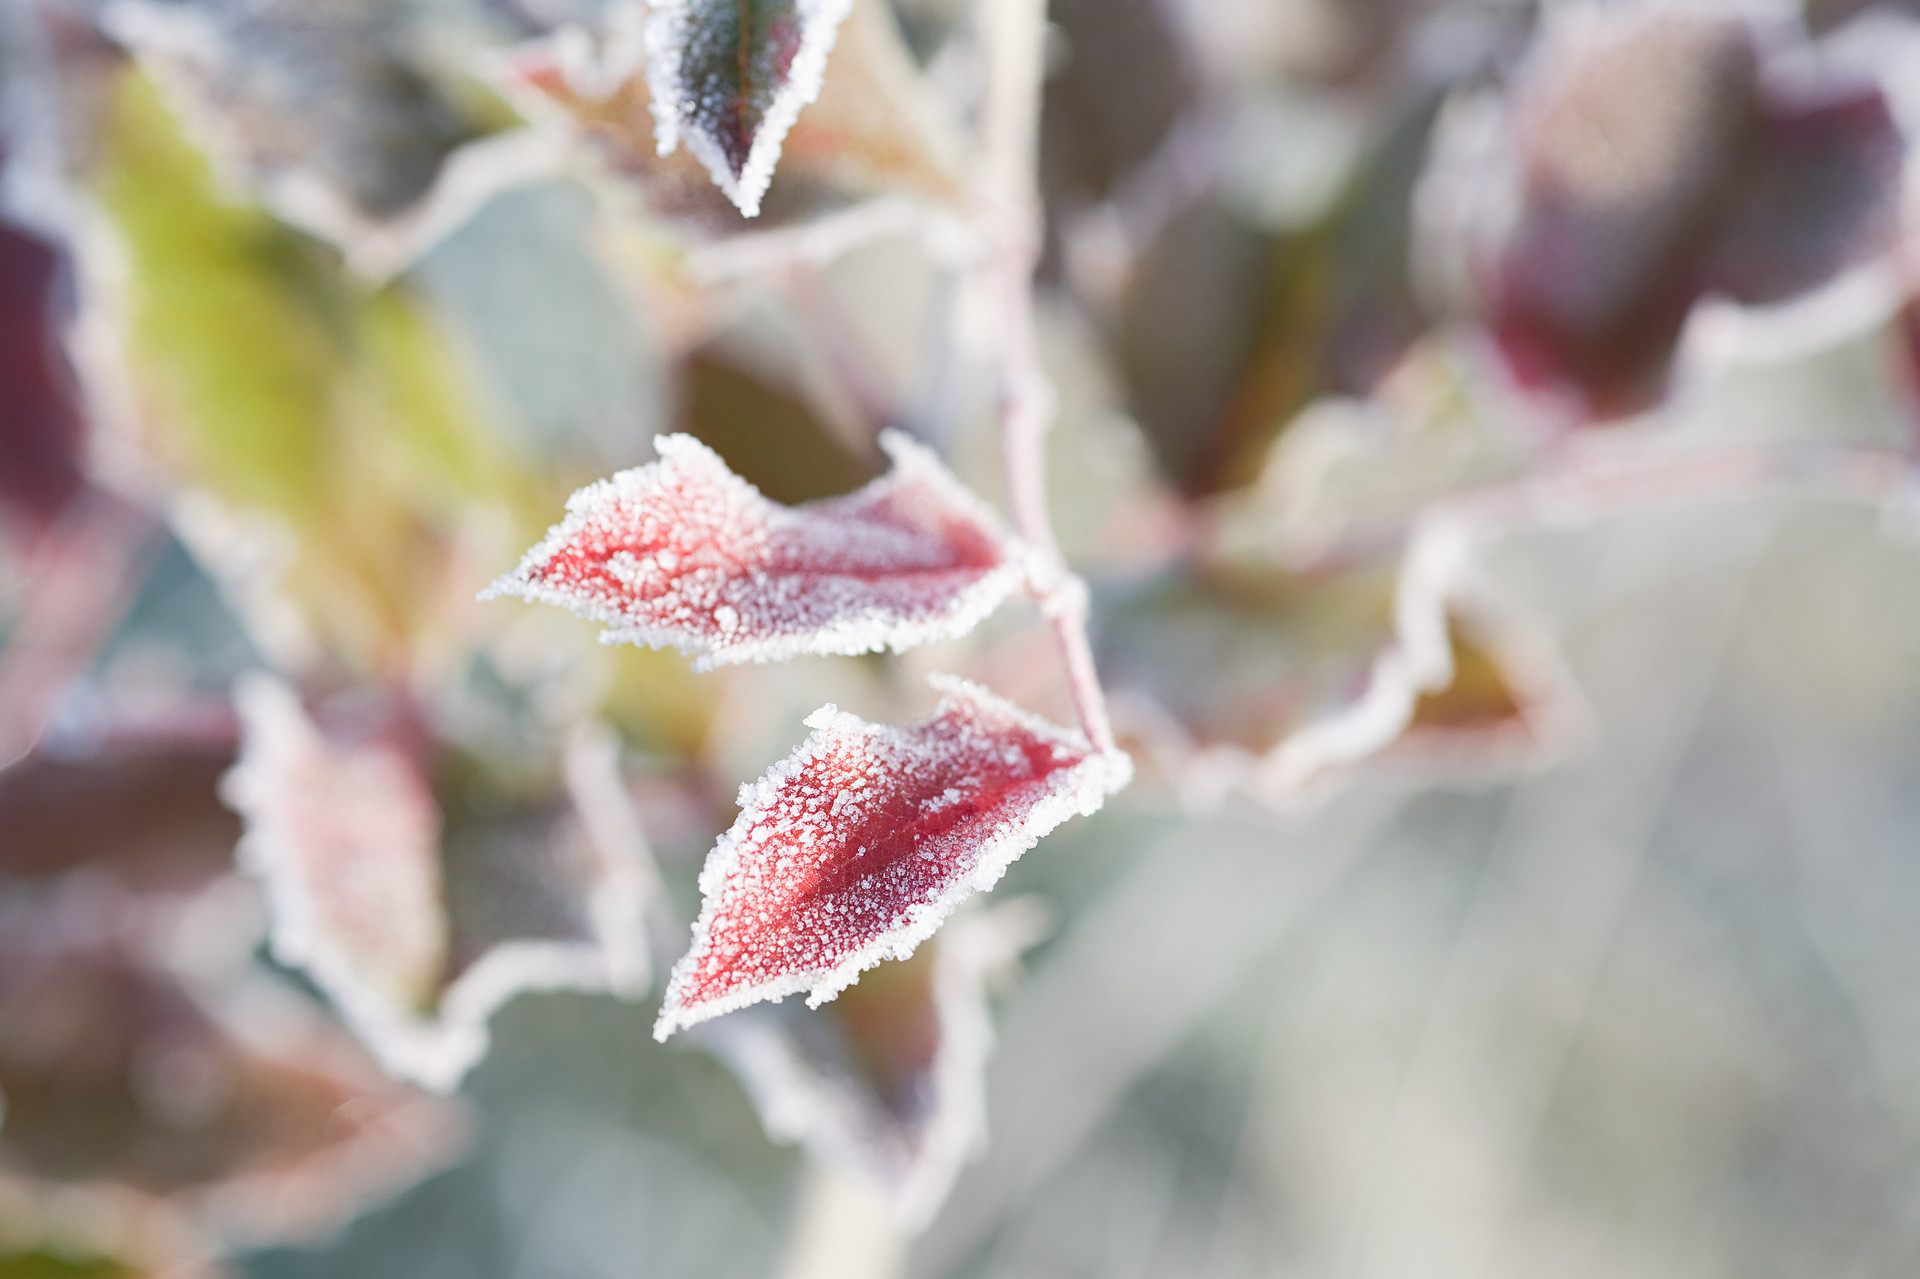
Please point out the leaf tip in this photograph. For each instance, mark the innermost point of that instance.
(507, 585)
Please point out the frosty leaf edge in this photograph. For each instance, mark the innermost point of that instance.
(401, 971)
(1079, 789)
(387, 968)
(671, 28)
(868, 628)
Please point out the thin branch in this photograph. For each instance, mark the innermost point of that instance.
(1013, 34)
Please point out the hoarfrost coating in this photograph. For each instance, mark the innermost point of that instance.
(684, 553)
(855, 848)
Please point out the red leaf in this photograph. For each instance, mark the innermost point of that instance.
(1668, 157)
(854, 848)
(683, 552)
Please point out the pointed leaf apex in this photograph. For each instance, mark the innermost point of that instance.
(857, 846)
(729, 78)
(683, 552)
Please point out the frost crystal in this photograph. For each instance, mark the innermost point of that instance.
(683, 552)
(854, 848)
(732, 75)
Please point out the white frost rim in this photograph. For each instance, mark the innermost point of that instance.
(666, 40)
(847, 636)
(1079, 790)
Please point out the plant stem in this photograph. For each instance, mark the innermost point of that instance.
(1013, 35)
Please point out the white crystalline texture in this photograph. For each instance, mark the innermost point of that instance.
(855, 848)
(729, 77)
(684, 553)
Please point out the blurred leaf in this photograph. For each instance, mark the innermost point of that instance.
(331, 98)
(146, 812)
(1188, 327)
(943, 807)
(1659, 166)
(1225, 331)
(1824, 197)
(122, 1075)
(268, 377)
(1233, 672)
(422, 893)
(1119, 88)
(770, 436)
(1635, 140)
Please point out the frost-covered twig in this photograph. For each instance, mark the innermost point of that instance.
(1013, 34)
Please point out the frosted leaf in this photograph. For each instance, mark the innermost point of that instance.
(317, 114)
(729, 78)
(1250, 677)
(889, 1081)
(854, 848)
(321, 109)
(876, 126)
(420, 915)
(683, 552)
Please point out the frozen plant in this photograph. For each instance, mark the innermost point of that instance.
(856, 847)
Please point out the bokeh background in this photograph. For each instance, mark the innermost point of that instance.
(1487, 428)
